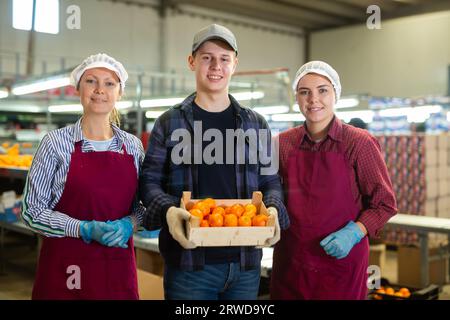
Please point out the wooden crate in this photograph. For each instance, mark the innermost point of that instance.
(229, 236)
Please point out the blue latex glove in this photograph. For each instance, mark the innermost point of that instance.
(94, 230)
(123, 230)
(339, 243)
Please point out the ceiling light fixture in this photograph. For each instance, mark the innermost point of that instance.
(346, 103)
(76, 108)
(41, 85)
(288, 117)
(153, 114)
(168, 102)
(3, 93)
(271, 110)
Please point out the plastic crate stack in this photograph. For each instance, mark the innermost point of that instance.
(419, 167)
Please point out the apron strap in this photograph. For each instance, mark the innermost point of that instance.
(78, 146)
(124, 148)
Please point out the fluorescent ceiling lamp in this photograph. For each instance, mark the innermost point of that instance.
(346, 103)
(288, 117)
(448, 116)
(79, 108)
(242, 96)
(153, 114)
(414, 114)
(66, 108)
(365, 115)
(271, 110)
(124, 104)
(15, 107)
(3, 94)
(341, 104)
(168, 102)
(41, 85)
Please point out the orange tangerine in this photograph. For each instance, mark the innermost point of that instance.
(245, 221)
(237, 210)
(215, 220)
(251, 214)
(204, 223)
(197, 213)
(250, 209)
(210, 202)
(219, 210)
(390, 291)
(259, 220)
(405, 292)
(203, 207)
(230, 220)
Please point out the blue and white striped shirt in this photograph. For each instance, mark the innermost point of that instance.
(47, 177)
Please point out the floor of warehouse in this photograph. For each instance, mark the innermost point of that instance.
(17, 273)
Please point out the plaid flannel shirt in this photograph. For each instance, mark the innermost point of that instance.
(162, 182)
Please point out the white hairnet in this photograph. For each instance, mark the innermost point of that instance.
(99, 60)
(323, 69)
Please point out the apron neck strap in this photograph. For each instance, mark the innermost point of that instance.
(78, 145)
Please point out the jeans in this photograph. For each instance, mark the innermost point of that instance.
(215, 282)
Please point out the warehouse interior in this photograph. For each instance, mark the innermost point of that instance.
(392, 56)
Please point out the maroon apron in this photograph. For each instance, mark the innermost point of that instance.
(319, 202)
(99, 186)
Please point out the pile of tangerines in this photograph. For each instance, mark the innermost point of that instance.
(237, 215)
(402, 293)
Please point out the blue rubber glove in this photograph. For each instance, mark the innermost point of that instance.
(123, 230)
(94, 230)
(339, 243)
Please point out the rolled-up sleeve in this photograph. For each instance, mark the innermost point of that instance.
(375, 187)
(37, 212)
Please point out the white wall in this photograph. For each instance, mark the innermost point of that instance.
(408, 57)
(130, 34)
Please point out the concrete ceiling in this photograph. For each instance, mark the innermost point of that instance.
(310, 15)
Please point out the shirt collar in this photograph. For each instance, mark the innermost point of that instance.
(186, 105)
(78, 133)
(334, 132)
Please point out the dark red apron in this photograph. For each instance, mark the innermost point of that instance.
(99, 186)
(320, 202)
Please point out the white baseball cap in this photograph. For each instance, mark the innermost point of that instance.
(323, 69)
(99, 60)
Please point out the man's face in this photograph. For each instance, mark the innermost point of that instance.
(213, 63)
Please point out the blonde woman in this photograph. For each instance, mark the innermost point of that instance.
(80, 194)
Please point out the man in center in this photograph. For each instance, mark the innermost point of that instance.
(207, 273)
